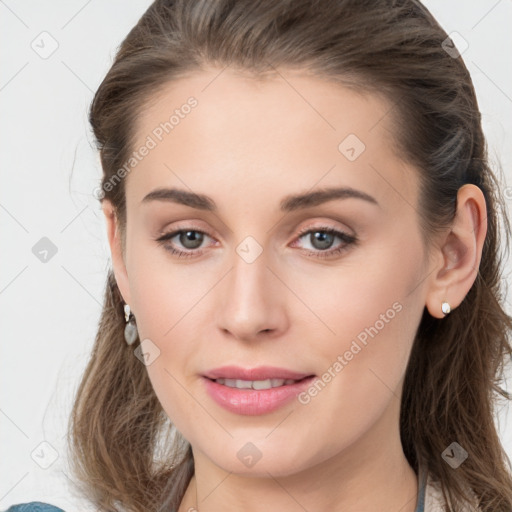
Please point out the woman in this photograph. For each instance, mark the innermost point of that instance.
(304, 310)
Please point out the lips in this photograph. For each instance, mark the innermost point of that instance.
(254, 391)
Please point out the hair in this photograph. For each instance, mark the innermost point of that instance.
(126, 454)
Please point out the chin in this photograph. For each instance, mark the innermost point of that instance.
(260, 459)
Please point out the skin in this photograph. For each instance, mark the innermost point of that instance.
(248, 144)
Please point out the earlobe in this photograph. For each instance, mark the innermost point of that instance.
(460, 253)
(114, 240)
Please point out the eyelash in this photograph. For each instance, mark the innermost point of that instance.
(346, 238)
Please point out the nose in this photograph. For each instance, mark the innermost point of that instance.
(251, 302)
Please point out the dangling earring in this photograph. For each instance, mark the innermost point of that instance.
(130, 329)
(445, 308)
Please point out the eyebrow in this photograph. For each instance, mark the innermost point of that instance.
(288, 204)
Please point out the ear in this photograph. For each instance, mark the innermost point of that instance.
(459, 253)
(114, 240)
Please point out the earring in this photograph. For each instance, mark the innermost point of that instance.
(445, 308)
(130, 329)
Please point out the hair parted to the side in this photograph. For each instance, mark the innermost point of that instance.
(121, 444)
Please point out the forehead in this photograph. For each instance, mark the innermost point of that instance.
(229, 100)
(288, 130)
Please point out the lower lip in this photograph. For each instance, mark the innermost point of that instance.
(252, 402)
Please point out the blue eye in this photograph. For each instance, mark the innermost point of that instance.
(191, 239)
(185, 236)
(327, 235)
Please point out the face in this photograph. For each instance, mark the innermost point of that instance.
(329, 290)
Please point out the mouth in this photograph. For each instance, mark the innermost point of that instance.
(255, 391)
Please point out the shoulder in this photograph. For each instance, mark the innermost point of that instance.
(34, 506)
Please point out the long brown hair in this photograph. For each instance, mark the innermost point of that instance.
(126, 455)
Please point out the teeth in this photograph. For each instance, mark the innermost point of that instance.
(267, 384)
(254, 384)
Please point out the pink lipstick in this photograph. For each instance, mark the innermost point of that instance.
(254, 391)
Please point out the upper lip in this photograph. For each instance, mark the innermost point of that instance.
(258, 373)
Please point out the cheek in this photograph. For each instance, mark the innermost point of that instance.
(369, 315)
(167, 304)
(161, 291)
(364, 362)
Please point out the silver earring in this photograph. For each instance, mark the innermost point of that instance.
(445, 308)
(130, 329)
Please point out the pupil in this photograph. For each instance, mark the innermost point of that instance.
(191, 236)
(321, 237)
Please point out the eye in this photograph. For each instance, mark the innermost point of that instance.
(323, 239)
(191, 239)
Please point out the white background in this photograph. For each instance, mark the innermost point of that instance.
(50, 310)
